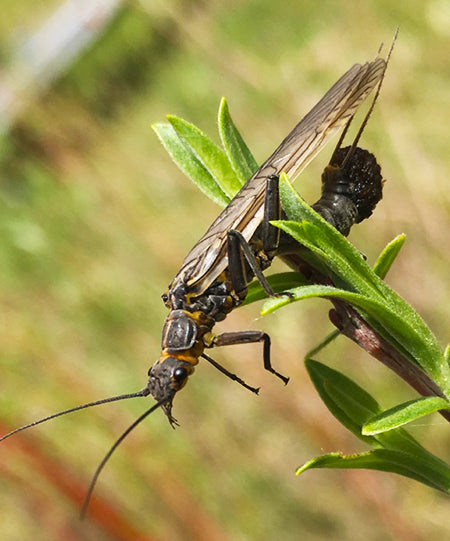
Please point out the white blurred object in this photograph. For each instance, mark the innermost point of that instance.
(41, 57)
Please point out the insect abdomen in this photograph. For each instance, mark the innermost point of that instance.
(351, 188)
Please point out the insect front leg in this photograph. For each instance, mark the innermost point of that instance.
(249, 337)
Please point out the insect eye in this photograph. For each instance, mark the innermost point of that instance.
(180, 374)
(165, 297)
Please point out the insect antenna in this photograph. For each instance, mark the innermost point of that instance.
(369, 112)
(119, 440)
(143, 392)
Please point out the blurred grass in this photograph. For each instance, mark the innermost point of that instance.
(95, 222)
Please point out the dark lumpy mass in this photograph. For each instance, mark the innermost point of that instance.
(364, 173)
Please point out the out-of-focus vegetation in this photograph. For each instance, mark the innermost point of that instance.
(95, 222)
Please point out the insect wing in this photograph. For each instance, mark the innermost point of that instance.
(208, 258)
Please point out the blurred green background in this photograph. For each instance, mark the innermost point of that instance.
(95, 221)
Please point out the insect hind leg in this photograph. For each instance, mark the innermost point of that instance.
(250, 337)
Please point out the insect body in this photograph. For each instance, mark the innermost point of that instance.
(241, 243)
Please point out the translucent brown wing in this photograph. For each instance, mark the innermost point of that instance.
(208, 258)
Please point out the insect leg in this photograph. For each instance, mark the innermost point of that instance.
(249, 337)
(229, 374)
(270, 234)
(238, 247)
(274, 241)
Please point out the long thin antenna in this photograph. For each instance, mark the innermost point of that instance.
(369, 112)
(119, 440)
(142, 393)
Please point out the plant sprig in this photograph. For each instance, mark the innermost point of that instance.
(360, 296)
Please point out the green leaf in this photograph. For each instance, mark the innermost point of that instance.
(433, 473)
(348, 402)
(316, 234)
(403, 414)
(353, 407)
(339, 254)
(350, 269)
(388, 255)
(393, 323)
(186, 159)
(239, 155)
(398, 322)
(396, 451)
(209, 154)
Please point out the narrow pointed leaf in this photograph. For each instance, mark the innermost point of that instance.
(239, 155)
(209, 154)
(388, 255)
(350, 268)
(184, 157)
(340, 255)
(395, 451)
(394, 323)
(433, 473)
(353, 273)
(403, 414)
(324, 240)
(353, 407)
(360, 406)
